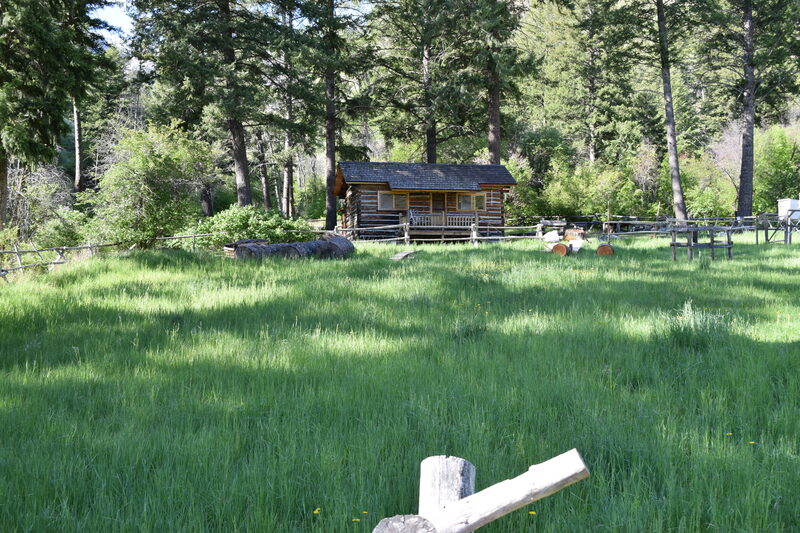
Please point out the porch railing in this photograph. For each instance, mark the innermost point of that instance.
(422, 220)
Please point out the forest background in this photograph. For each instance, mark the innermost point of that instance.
(235, 113)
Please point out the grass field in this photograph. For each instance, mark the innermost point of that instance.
(165, 391)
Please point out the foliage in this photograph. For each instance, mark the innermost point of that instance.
(777, 168)
(67, 228)
(311, 199)
(249, 222)
(150, 191)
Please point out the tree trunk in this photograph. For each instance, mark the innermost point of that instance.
(494, 112)
(79, 184)
(288, 178)
(264, 173)
(745, 207)
(427, 102)
(330, 122)
(3, 188)
(206, 200)
(244, 194)
(672, 137)
(238, 143)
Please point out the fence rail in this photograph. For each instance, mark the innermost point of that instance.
(61, 250)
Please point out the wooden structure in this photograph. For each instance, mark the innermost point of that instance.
(692, 236)
(434, 200)
(448, 504)
(773, 225)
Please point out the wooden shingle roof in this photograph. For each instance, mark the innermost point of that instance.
(424, 176)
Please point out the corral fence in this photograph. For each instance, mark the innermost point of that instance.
(768, 227)
(59, 255)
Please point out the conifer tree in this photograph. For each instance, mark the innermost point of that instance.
(35, 75)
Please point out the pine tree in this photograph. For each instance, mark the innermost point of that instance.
(419, 88)
(209, 54)
(35, 60)
(761, 42)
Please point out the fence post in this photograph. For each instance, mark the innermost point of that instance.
(444, 479)
(474, 235)
(406, 234)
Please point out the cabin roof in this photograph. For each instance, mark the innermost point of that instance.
(424, 176)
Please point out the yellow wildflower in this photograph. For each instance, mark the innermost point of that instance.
(531, 512)
(316, 511)
(751, 442)
(728, 434)
(356, 520)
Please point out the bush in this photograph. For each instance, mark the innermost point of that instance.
(152, 189)
(68, 228)
(237, 223)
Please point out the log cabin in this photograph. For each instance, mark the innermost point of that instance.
(433, 199)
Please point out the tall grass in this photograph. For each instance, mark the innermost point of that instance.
(166, 391)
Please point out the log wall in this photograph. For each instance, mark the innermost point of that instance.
(361, 206)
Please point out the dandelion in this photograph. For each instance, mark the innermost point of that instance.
(356, 520)
(316, 511)
(728, 434)
(751, 442)
(531, 513)
(364, 512)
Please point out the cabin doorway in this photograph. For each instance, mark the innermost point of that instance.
(437, 201)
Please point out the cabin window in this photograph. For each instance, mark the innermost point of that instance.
(471, 202)
(388, 201)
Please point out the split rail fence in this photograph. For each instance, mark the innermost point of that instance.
(59, 254)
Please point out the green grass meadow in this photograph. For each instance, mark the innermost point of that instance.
(170, 391)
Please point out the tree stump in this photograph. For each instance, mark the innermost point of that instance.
(404, 523)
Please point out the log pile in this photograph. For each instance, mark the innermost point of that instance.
(330, 246)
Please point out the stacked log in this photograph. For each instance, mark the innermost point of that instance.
(330, 246)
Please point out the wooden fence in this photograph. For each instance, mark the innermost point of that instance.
(61, 253)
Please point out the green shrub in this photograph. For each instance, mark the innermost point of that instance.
(67, 228)
(152, 189)
(237, 223)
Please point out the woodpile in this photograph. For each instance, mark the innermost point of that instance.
(330, 246)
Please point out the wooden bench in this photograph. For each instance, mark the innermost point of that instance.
(692, 235)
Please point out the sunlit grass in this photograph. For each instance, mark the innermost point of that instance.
(165, 391)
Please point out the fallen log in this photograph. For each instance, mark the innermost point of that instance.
(562, 249)
(342, 245)
(331, 246)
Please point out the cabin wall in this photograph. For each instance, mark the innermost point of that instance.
(361, 207)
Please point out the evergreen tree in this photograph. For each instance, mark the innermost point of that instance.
(210, 54)
(420, 90)
(761, 43)
(35, 56)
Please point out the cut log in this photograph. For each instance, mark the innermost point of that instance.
(444, 479)
(605, 249)
(552, 236)
(405, 523)
(574, 234)
(562, 249)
